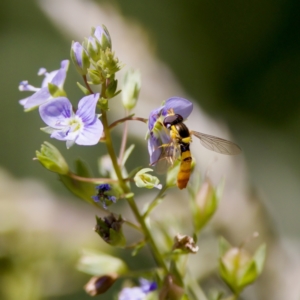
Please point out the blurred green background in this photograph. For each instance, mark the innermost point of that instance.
(239, 59)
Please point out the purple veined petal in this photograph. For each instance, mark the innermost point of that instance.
(56, 112)
(91, 134)
(60, 76)
(38, 98)
(180, 106)
(87, 107)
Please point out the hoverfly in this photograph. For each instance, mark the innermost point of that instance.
(181, 137)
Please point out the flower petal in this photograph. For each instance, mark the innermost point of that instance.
(55, 112)
(91, 133)
(180, 106)
(87, 107)
(59, 78)
(36, 99)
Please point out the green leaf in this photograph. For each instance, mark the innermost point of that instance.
(127, 154)
(138, 247)
(83, 190)
(250, 274)
(98, 263)
(83, 89)
(259, 257)
(224, 246)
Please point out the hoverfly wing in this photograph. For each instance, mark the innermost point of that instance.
(217, 144)
(166, 159)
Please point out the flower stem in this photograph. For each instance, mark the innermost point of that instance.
(157, 255)
(123, 143)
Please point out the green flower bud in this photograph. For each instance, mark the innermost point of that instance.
(239, 269)
(108, 63)
(111, 88)
(206, 203)
(110, 229)
(131, 89)
(100, 284)
(93, 48)
(185, 243)
(52, 159)
(170, 290)
(145, 180)
(95, 76)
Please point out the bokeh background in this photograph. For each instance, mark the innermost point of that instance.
(238, 60)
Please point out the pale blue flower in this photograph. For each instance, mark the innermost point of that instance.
(158, 134)
(82, 127)
(138, 293)
(42, 94)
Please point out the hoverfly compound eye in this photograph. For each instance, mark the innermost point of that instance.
(172, 120)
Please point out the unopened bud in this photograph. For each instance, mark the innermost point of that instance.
(131, 89)
(238, 268)
(80, 58)
(205, 205)
(51, 159)
(102, 35)
(170, 290)
(110, 229)
(93, 48)
(100, 284)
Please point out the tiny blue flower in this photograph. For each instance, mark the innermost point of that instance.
(102, 197)
(158, 135)
(82, 127)
(42, 94)
(138, 293)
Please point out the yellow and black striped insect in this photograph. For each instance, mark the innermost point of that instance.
(181, 137)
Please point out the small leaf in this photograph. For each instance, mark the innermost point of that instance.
(224, 246)
(83, 190)
(127, 154)
(99, 263)
(138, 247)
(83, 89)
(250, 274)
(259, 257)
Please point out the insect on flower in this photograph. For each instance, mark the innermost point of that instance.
(170, 139)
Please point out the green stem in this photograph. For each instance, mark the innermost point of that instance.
(157, 255)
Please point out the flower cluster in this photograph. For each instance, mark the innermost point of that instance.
(168, 137)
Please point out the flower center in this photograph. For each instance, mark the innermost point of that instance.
(75, 125)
